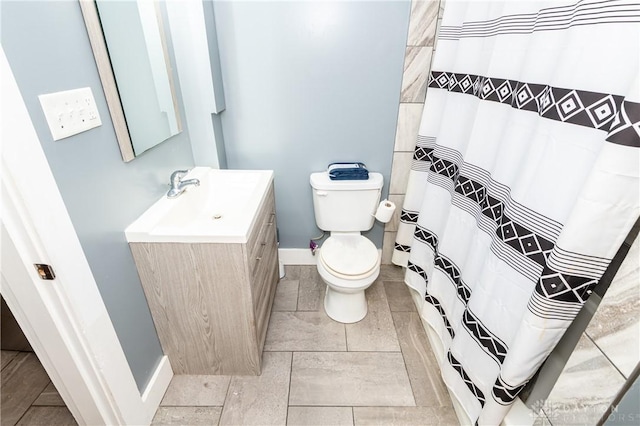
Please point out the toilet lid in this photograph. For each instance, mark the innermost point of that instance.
(349, 255)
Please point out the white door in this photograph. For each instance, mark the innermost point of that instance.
(64, 319)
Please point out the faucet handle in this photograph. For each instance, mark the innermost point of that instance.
(177, 175)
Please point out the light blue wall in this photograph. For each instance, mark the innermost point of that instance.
(306, 84)
(48, 49)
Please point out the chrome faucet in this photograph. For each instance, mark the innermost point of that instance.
(178, 185)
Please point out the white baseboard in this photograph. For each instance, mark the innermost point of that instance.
(296, 256)
(156, 388)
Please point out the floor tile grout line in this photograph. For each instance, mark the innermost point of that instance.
(286, 419)
(346, 338)
(226, 396)
(404, 362)
(297, 295)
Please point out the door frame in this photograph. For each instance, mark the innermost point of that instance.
(65, 319)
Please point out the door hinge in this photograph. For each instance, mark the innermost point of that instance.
(45, 271)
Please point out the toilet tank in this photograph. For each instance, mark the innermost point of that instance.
(345, 205)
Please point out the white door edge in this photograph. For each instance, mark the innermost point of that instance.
(65, 319)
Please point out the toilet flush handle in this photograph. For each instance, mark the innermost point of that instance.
(322, 193)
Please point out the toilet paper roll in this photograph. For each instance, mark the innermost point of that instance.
(385, 211)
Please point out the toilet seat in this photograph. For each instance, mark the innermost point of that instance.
(350, 257)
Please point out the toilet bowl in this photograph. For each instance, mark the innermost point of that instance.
(348, 263)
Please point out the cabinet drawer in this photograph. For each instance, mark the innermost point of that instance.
(258, 237)
(265, 260)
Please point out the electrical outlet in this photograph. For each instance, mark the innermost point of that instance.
(70, 112)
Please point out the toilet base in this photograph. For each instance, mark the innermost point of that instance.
(346, 308)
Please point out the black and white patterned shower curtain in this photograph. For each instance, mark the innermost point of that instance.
(524, 183)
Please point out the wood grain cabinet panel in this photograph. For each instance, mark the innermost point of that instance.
(211, 302)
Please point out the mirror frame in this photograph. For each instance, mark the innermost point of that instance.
(104, 65)
(101, 55)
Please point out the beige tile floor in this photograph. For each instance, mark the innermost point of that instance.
(379, 371)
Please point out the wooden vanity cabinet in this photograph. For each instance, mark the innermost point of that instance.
(211, 302)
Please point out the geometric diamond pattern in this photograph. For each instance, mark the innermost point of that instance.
(445, 168)
(408, 217)
(523, 240)
(465, 377)
(564, 287)
(504, 92)
(523, 96)
(466, 83)
(402, 248)
(418, 270)
(439, 79)
(449, 268)
(493, 209)
(426, 236)
(430, 299)
(423, 154)
(471, 189)
(545, 100)
(520, 238)
(492, 345)
(604, 111)
(569, 105)
(487, 88)
(625, 128)
(436, 304)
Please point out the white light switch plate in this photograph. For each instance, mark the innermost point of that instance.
(70, 112)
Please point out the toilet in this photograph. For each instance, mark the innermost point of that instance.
(347, 261)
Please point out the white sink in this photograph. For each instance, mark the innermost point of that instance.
(221, 210)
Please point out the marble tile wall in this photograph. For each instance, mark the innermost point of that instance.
(606, 355)
(421, 39)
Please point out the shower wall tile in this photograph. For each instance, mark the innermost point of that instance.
(435, 37)
(421, 38)
(615, 327)
(424, 14)
(400, 172)
(408, 125)
(398, 200)
(416, 70)
(586, 387)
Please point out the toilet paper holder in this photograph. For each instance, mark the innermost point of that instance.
(385, 211)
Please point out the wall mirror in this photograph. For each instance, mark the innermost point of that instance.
(130, 48)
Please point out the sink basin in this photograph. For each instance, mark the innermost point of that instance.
(221, 210)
